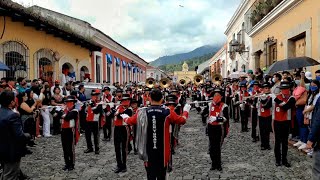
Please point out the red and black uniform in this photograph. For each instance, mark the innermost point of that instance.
(94, 112)
(121, 136)
(264, 107)
(281, 114)
(145, 100)
(218, 127)
(235, 110)
(158, 138)
(107, 127)
(69, 136)
(254, 115)
(244, 109)
(134, 129)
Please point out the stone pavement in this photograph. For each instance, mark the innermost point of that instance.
(241, 159)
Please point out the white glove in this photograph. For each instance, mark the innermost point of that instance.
(147, 102)
(212, 119)
(282, 104)
(124, 116)
(206, 98)
(196, 104)
(111, 105)
(187, 107)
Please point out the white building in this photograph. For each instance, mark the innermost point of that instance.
(219, 62)
(155, 73)
(204, 70)
(239, 45)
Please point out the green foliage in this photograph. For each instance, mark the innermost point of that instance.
(192, 63)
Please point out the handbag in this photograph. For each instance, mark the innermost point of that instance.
(302, 100)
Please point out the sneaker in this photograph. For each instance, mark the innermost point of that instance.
(303, 146)
(124, 170)
(299, 143)
(286, 164)
(65, 168)
(47, 136)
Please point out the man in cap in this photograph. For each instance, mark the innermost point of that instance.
(241, 101)
(283, 103)
(264, 107)
(153, 129)
(122, 133)
(107, 100)
(94, 111)
(69, 130)
(218, 126)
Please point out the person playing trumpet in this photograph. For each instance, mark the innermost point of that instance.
(107, 127)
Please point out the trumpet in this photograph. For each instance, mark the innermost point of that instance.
(195, 102)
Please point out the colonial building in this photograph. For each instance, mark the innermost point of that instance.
(218, 63)
(156, 73)
(114, 63)
(239, 44)
(288, 28)
(36, 47)
(204, 70)
(184, 74)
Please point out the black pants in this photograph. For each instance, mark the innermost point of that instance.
(156, 172)
(107, 128)
(56, 122)
(235, 112)
(215, 133)
(265, 129)
(67, 140)
(92, 128)
(134, 137)
(30, 127)
(254, 123)
(281, 132)
(121, 140)
(244, 120)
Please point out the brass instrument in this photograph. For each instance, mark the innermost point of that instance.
(182, 82)
(165, 83)
(216, 79)
(198, 79)
(150, 82)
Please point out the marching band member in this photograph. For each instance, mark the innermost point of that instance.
(107, 98)
(264, 107)
(118, 97)
(218, 125)
(205, 111)
(283, 103)
(121, 133)
(153, 134)
(235, 111)
(146, 97)
(69, 132)
(94, 111)
(134, 106)
(254, 111)
(244, 108)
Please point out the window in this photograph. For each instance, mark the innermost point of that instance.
(45, 65)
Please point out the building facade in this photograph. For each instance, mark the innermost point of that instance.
(218, 63)
(204, 70)
(156, 73)
(291, 28)
(184, 74)
(33, 47)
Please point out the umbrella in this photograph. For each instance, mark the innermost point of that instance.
(291, 63)
(236, 74)
(3, 67)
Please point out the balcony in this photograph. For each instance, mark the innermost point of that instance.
(258, 10)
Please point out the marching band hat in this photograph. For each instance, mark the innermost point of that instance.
(266, 84)
(95, 92)
(70, 98)
(256, 83)
(125, 97)
(147, 89)
(119, 90)
(134, 101)
(217, 90)
(106, 88)
(171, 99)
(243, 76)
(285, 85)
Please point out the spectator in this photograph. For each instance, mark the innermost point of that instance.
(318, 75)
(12, 138)
(22, 85)
(56, 84)
(276, 80)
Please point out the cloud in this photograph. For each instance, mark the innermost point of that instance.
(152, 28)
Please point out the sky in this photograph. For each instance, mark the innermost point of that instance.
(152, 28)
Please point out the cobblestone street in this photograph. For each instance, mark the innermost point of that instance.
(241, 159)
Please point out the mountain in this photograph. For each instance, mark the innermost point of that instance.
(192, 63)
(177, 58)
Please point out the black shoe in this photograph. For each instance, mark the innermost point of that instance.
(286, 164)
(278, 164)
(88, 151)
(117, 170)
(135, 152)
(124, 170)
(269, 148)
(65, 168)
(219, 168)
(28, 151)
(97, 151)
(71, 168)
(169, 169)
(263, 148)
(254, 140)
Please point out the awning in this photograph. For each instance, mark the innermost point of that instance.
(124, 64)
(117, 61)
(109, 58)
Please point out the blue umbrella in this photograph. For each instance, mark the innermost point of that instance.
(3, 67)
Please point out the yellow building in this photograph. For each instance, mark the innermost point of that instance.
(34, 47)
(289, 28)
(184, 74)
